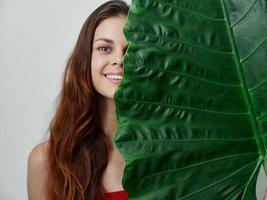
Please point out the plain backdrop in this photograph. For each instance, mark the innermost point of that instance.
(36, 38)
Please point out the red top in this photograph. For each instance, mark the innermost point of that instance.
(117, 195)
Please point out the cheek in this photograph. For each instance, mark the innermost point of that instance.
(97, 64)
(97, 69)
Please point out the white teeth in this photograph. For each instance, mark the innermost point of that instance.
(113, 76)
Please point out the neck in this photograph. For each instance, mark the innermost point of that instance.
(106, 110)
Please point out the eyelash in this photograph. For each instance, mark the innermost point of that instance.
(103, 47)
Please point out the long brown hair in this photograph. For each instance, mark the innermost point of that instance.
(78, 148)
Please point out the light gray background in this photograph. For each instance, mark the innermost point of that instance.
(36, 38)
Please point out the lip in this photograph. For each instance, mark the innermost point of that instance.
(115, 72)
(116, 82)
(112, 74)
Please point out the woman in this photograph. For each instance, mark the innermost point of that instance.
(79, 161)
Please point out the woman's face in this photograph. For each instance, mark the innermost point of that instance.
(109, 46)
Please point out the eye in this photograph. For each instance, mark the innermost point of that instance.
(104, 49)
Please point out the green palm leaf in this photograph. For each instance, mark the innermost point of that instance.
(192, 106)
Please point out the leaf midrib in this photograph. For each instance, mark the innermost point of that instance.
(251, 110)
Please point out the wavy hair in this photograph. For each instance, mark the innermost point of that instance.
(78, 148)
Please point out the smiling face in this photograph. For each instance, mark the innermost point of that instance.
(109, 46)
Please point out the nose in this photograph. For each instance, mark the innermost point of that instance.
(118, 59)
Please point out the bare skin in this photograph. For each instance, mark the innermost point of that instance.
(37, 172)
(113, 174)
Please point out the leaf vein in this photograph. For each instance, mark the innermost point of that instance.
(253, 51)
(197, 164)
(235, 192)
(246, 13)
(258, 85)
(251, 177)
(191, 76)
(262, 117)
(250, 165)
(246, 94)
(192, 140)
(186, 108)
(191, 11)
(181, 41)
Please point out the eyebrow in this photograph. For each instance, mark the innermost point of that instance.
(105, 39)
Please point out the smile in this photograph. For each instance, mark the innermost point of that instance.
(114, 78)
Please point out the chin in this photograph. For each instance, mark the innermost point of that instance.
(108, 95)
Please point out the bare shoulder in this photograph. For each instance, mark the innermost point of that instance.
(37, 171)
(39, 154)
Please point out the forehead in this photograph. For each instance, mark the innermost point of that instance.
(111, 28)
